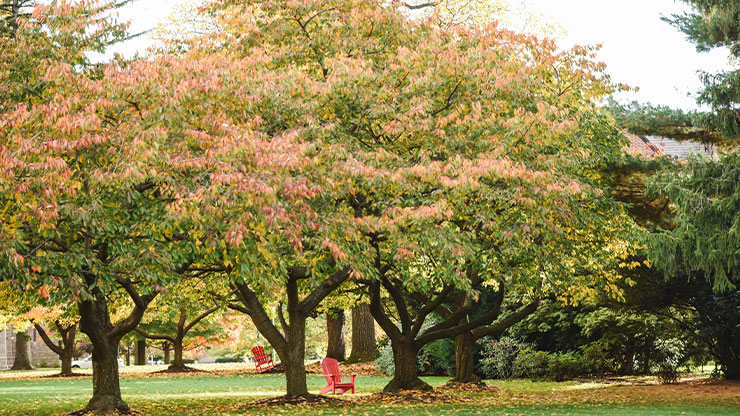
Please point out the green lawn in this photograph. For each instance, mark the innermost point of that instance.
(223, 394)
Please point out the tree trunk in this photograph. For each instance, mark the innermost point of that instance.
(95, 323)
(335, 334)
(22, 352)
(628, 364)
(106, 388)
(405, 374)
(177, 349)
(66, 349)
(363, 335)
(464, 369)
(141, 352)
(166, 350)
(294, 360)
(68, 346)
(128, 354)
(66, 359)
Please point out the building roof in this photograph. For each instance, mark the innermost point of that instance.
(641, 146)
(650, 146)
(680, 150)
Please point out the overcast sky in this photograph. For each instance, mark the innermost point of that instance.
(639, 49)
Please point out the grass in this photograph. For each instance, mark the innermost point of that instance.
(225, 394)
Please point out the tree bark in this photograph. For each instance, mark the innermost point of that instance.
(140, 352)
(363, 335)
(294, 359)
(335, 334)
(406, 374)
(22, 352)
(177, 349)
(628, 364)
(95, 322)
(106, 387)
(166, 350)
(464, 368)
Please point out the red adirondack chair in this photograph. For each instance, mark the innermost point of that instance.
(330, 367)
(262, 362)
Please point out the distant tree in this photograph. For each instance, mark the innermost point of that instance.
(181, 312)
(363, 335)
(33, 309)
(11, 13)
(700, 245)
(335, 347)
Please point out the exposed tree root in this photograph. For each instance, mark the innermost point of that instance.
(60, 375)
(83, 412)
(184, 369)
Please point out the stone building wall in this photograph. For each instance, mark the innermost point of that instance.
(41, 355)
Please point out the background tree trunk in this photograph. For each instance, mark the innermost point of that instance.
(128, 353)
(66, 349)
(335, 334)
(22, 352)
(363, 335)
(141, 352)
(166, 350)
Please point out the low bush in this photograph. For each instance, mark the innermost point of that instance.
(437, 358)
(500, 357)
(228, 360)
(507, 358)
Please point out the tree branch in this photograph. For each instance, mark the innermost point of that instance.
(154, 336)
(49, 343)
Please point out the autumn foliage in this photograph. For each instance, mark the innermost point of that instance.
(300, 146)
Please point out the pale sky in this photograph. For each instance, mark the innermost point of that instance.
(639, 49)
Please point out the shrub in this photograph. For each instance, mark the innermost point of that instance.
(599, 358)
(384, 362)
(228, 360)
(500, 357)
(509, 358)
(437, 358)
(532, 363)
(565, 366)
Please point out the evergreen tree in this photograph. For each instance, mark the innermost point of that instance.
(701, 244)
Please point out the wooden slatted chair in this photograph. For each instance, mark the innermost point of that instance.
(262, 361)
(330, 367)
